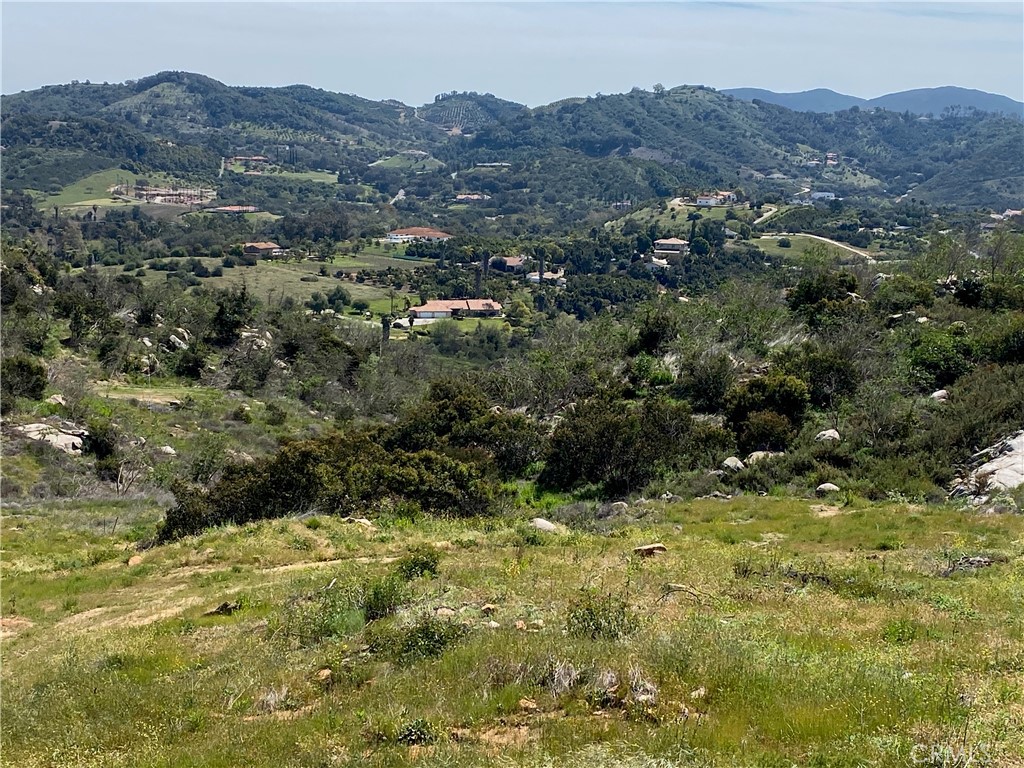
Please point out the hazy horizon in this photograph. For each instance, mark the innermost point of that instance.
(531, 53)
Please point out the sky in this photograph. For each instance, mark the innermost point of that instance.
(530, 52)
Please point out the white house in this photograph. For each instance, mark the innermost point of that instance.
(823, 195)
(413, 234)
(670, 245)
(708, 200)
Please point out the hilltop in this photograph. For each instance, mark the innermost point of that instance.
(585, 153)
(919, 101)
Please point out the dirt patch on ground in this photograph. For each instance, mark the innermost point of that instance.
(824, 510)
(501, 737)
(10, 626)
(324, 563)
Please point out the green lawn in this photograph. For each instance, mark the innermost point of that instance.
(410, 163)
(93, 190)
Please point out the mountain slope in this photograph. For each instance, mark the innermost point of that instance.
(467, 111)
(817, 100)
(920, 101)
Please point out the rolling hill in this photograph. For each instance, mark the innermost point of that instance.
(581, 152)
(920, 101)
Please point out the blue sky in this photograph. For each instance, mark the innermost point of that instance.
(530, 52)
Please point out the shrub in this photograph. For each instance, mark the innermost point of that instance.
(383, 597)
(785, 395)
(276, 415)
(421, 561)
(600, 616)
(417, 731)
(326, 613)
(705, 380)
(426, 638)
(21, 376)
(765, 431)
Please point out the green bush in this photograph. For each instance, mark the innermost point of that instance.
(327, 613)
(428, 637)
(765, 431)
(383, 597)
(21, 376)
(600, 616)
(421, 561)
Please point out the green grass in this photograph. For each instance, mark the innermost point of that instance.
(410, 163)
(673, 218)
(742, 661)
(275, 171)
(93, 190)
(798, 246)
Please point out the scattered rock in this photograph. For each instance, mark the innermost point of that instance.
(618, 507)
(488, 609)
(827, 435)
(68, 440)
(521, 625)
(939, 396)
(967, 563)
(325, 677)
(146, 342)
(178, 342)
(492, 625)
(671, 497)
(224, 609)
(827, 488)
(444, 613)
(56, 400)
(717, 495)
(733, 464)
(716, 473)
(134, 560)
(649, 550)
(527, 705)
(168, 450)
(360, 521)
(536, 624)
(923, 320)
(543, 525)
(757, 456)
(700, 693)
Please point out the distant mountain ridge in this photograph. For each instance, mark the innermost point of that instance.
(919, 101)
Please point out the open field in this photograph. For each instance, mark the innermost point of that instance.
(93, 190)
(275, 172)
(771, 632)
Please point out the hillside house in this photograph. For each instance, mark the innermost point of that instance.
(823, 195)
(708, 200)
(726, 197)
(263, 250)
(446, 308)
(415, 234)
(558, 278)
(670, 246)
(508, 263)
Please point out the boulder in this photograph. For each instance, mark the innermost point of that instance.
(733, 464)
(671, 498)
(444, 613)
(67, 440)
(488, 609)
(325, 677)
(827, 435)
(492, 625)
(619, 507)
(1002, 470)
(168, 450)
(939, 396)
(649, 550)
(757, 456)
(178, 342)
(543, 525)
(134, 560)
(56, 400)
(827, 488)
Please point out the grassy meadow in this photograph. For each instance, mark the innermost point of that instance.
(772, 632)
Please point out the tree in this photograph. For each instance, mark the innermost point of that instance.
(700, 247)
